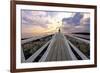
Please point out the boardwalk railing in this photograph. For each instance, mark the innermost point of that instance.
(78, 51)
(86, 41)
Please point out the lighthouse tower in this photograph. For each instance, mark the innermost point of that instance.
(59, 30)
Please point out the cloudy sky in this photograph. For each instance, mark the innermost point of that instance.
(35, 23)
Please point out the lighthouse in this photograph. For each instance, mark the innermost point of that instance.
(59, 30)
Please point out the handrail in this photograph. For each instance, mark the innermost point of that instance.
(78, 51)
(30, 59)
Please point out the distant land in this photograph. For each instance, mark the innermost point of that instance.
(83, 33)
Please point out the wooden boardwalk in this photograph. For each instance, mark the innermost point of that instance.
(58, 51)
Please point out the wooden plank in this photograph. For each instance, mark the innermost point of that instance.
(68, 49)
(50, 54)
(45, 56)
(54, 54)
(51, 49)
(59, 53)
(22, 55)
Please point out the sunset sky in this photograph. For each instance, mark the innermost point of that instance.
(35, 23)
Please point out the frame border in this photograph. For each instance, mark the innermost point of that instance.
(13, 35)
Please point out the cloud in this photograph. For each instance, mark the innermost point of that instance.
(35, 18)
(80, 22)
(39, 22)
(75, 20)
